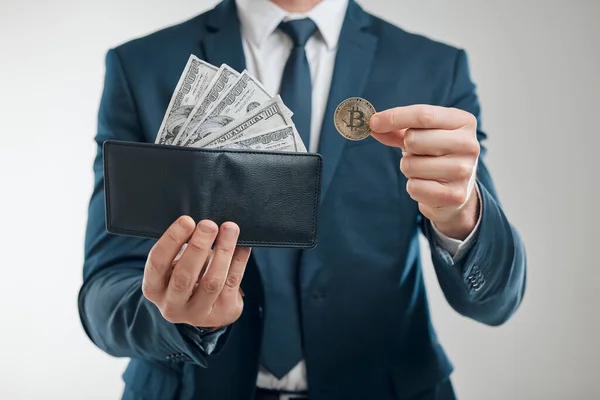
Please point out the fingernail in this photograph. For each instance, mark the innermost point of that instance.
(229, 228)
(374, 122)
(185, 222)
(206, 227)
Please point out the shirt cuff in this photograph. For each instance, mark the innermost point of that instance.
(456, 247)
(205, 339)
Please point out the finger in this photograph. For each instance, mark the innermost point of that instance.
(392, 139)
(420, 116)
(202, 271)
(206, 264)
(437, 142)
(160, 259)
(236, 272)
(230, 302)
(213, 280)
(186, 271)
(442, 169)
(436, 195)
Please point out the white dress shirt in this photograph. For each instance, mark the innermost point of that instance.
(266, 52)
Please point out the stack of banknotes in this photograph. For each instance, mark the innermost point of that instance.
(218, 107)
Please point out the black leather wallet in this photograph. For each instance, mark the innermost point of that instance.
(272, 196)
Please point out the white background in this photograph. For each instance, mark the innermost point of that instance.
(536, 64)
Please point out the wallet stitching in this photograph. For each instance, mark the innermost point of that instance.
(107, 189)
(316, 202)
(246, 242)
(241, 242)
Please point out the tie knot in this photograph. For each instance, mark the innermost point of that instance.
(299, 30)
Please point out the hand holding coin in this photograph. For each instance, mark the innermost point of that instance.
(440, 153)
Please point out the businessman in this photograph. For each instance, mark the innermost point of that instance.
(348, 319)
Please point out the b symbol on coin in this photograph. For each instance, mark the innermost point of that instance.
(351, 118)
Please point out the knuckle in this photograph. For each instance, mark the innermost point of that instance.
(455, 196)
(149, 291)
(199, 245)
(225, 249)
(476, 148)
(409, 139)
(464, 170)
(212, 284)
(151, 264)
(181, 281)
(233, 280)
(472, 147)
(426, 116)
(170, 235)
(239, 258)
(170, 312)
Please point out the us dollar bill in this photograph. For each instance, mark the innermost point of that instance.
(222, 81)
(244, 96)
(193, 82)
(275, 140)
(270, 115)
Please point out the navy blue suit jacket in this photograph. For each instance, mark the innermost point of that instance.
(366, 325)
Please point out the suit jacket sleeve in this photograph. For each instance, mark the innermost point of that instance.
(487, 282)
(114, 313)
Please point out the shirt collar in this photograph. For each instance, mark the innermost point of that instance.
(260, 18)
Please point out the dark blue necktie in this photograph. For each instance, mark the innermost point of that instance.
(296, 84)
(282, 340)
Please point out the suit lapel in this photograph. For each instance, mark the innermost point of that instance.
(222, 43)
(352, 65)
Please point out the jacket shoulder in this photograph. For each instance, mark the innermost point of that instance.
(428, 69)
(401, 41)
(161, 42)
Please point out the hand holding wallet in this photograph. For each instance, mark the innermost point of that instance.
(182, 288)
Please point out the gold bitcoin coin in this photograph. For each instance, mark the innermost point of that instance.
(351, 118)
